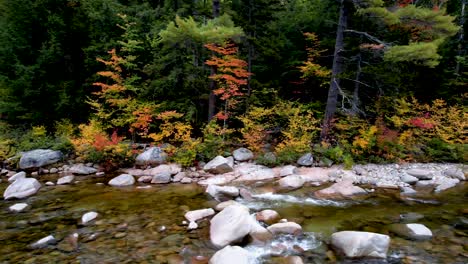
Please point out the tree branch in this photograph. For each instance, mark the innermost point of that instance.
(370, 37)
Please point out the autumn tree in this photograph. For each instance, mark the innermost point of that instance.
(231, 77)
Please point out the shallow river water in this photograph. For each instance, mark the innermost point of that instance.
(145, 225)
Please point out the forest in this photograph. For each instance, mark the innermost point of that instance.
(350, 81)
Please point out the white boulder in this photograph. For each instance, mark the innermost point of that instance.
(22, 188)
(355, 244)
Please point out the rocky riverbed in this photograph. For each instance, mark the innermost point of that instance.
(411, 213)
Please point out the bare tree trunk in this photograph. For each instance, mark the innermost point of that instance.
(355, 102)
(461, 36)
(337, 69)
(212, 98)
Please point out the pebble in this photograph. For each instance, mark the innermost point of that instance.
(120, 235)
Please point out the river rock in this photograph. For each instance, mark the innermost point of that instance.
(287, 170)
(319, 175)
(22, 188)
(179, 176)
(446, 183)
(291, 182)
(186, 180)
(218, 165)
(18, 175)
(65, 180)
(406, 178)
(259, 234)
(53, 170)
(222, 205)
(306, 160)
(43, 242)
(340, 190)
(412, 231)
(81, 169)
(192, 225)
(193, 216)
(421, 174)
(267, 216)
(411, 217)
(18, 207)
(88, 217)
(49, 183)
(230, 225)
(122, 180)
(38, 158)
(220, 179)
(252, 172)
(285, 228)
(355, 244)
(152, 156)
(407, 190)
(162, 177)
(455, 173)
(242, 154)
(231, 255)
(222, 193)
(145, 179)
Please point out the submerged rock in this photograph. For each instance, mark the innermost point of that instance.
(22, 188)
(355, 244)
(222, 193)
(230, 225)
(218, 165)
(19, 207)
(39, 158)
(122, 180)
(231, 255)
(43, 242)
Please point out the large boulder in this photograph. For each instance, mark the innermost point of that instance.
(193, 216)
(230, 225)
(231, 255)
(242, 154)
(340, 190)
(152, 156)
(38, 158)
(122, 180)
(218, 165)
(355, 244)
(22, 188)
(222, 193)
(82, 169)
(291, 182)
(412, 231)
